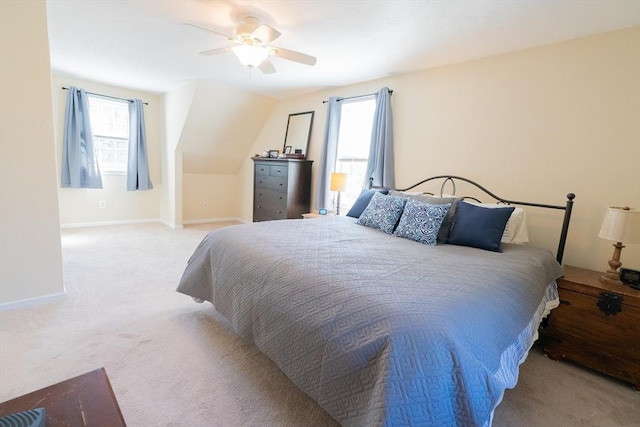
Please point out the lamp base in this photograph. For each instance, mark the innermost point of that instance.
(611, 278)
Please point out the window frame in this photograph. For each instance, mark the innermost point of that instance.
(104, 166)
(355, 182)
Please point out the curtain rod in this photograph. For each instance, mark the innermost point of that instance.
(106, 96)
(358, 96)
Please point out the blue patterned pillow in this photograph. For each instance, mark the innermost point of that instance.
(421, 221)
(382, 212)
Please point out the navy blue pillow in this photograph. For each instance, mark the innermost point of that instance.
(362, 202)
(479, 227)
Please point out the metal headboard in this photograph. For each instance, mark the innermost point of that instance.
(451, 179)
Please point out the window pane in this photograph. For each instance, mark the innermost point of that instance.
(354, 141)
(110, 128)
(111, 153)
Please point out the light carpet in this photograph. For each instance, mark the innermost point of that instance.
(172, 362)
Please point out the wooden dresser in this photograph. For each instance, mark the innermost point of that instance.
(281, 188)
(596, 325)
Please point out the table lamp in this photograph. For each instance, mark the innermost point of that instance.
(620, 225)
(338, 183)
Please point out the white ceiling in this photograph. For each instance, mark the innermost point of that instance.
(142, 44)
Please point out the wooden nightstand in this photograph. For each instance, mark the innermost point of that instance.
(596, 325)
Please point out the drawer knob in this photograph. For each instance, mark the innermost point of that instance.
(610, 303)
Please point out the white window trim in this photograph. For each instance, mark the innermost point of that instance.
(96, 136)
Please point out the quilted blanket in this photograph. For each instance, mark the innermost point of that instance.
(379, 330)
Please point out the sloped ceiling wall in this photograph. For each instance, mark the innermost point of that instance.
(221, 127)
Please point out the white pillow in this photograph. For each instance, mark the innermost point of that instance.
(516, 229)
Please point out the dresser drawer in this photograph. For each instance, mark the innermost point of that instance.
(262, 169)
(268, 212)
(264, 216)
(278, 170)
(271, 183)
(270, 198)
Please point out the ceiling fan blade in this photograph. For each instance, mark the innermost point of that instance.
(292, 55)
(210, 30)
(218, 51)
(267, 67)
(265, 33)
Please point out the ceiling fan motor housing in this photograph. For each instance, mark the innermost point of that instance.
(248, 26)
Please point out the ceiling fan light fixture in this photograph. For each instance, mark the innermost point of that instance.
(250, 55)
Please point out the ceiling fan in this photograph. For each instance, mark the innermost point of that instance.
(251, 46)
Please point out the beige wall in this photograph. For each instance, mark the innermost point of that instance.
(209, 129)
(30, 252)
(177, 105)
(81, 206)
(532, 125)
(218, 192)
(222, 124)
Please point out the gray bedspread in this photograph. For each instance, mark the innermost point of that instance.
(379, 330)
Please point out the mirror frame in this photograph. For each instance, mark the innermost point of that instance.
(298, 144)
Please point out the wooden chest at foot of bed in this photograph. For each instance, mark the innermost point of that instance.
(596, 325)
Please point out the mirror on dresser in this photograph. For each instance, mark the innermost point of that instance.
(298, 133)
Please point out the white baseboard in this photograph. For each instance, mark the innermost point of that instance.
(30, 302)
(170, 225)
(120, 222)
(206, 220)
(151, 220)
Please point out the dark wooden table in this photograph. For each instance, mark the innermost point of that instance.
(86, 400)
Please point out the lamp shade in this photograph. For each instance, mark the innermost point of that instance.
(250, 55)
(621, 225)
(338, 181)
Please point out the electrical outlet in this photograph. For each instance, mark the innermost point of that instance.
(102, 204)
(206, 204)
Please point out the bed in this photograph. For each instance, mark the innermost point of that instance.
(378, 329)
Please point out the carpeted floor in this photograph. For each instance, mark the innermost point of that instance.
(173, 362)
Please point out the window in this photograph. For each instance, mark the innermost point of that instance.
(110, 128)
(354, 141)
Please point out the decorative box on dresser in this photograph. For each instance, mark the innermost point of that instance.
(596, 325)
(281, 188)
